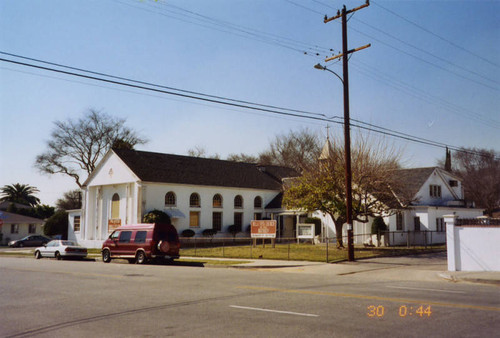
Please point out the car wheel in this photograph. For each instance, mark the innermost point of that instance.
(21, 245)
(58, 256)
(140, 257)
(106, 256)
(38, 255)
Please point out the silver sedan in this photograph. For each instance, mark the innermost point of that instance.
(61, 249)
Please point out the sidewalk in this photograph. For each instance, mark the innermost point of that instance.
(420, 267)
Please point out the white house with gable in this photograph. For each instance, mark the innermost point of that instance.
(434, 193)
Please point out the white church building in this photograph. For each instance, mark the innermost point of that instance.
(197, 193)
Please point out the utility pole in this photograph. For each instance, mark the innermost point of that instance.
(347, 133)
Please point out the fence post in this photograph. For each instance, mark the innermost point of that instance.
(288, 250)
(327, 249)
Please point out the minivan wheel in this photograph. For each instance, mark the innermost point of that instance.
(140, 257)
(106, 256)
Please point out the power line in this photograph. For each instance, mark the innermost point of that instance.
(435, 35)
(159, 86)
(318, 117)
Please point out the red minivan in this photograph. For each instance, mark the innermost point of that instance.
(139, 243)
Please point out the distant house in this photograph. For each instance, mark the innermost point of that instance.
(15, 226)
(433, 193)
(197, 193)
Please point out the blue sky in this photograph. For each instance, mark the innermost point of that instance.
(432, 71)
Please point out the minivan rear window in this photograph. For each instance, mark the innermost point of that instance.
(140, 237)
(125, 237)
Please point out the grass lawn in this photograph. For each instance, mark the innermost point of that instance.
(303, 252)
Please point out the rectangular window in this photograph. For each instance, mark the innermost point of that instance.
(217, 221)
(32, 228)
(238, 220)
(76, 223)
(416, 221)
(140, 237)
(435, 191)
(440, 225)
(399, 221)
(194, 219)
(125, 237)
(14, 228)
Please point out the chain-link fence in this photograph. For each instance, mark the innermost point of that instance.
(316, 249)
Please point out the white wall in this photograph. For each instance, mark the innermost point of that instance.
(154, 197)
(472, 248)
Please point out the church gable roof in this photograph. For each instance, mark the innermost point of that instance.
(167, 168)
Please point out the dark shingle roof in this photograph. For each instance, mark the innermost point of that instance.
(167, 168)
(413, 179)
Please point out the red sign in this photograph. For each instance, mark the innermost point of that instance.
(113, 224)
(263, 229)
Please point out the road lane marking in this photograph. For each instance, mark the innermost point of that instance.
(274, 311)
(389, 299)
(421, 289)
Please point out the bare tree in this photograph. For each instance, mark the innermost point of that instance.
(479, 170)
(200, 151)
(322, 186)
(242, 158)
(76, 147)
(298, 150)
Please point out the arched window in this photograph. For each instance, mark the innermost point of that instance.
(238, 201)
(217, 201)
(170, 199)
(115, 206)
(194, 200)
(257, 202)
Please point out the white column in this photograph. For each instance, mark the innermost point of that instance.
(451, 244)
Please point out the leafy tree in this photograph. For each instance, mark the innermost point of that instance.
(57, 224)
(322, 187)
(479, 170)
(70, 200)
(76, 147)
(20, 193)
(41, 211)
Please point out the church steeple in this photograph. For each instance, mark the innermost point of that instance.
(447, 163)
(327, 151)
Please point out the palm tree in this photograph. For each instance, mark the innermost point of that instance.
(20, 193)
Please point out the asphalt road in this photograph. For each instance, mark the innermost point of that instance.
(49, 298)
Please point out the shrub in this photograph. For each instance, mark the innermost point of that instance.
(57, 224)
(187, 233)
(209, 232)
(378, 225)
(233, 230)
(156, 216)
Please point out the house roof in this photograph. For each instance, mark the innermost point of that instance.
(168, 168)
(8, 217)
(413, 179)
